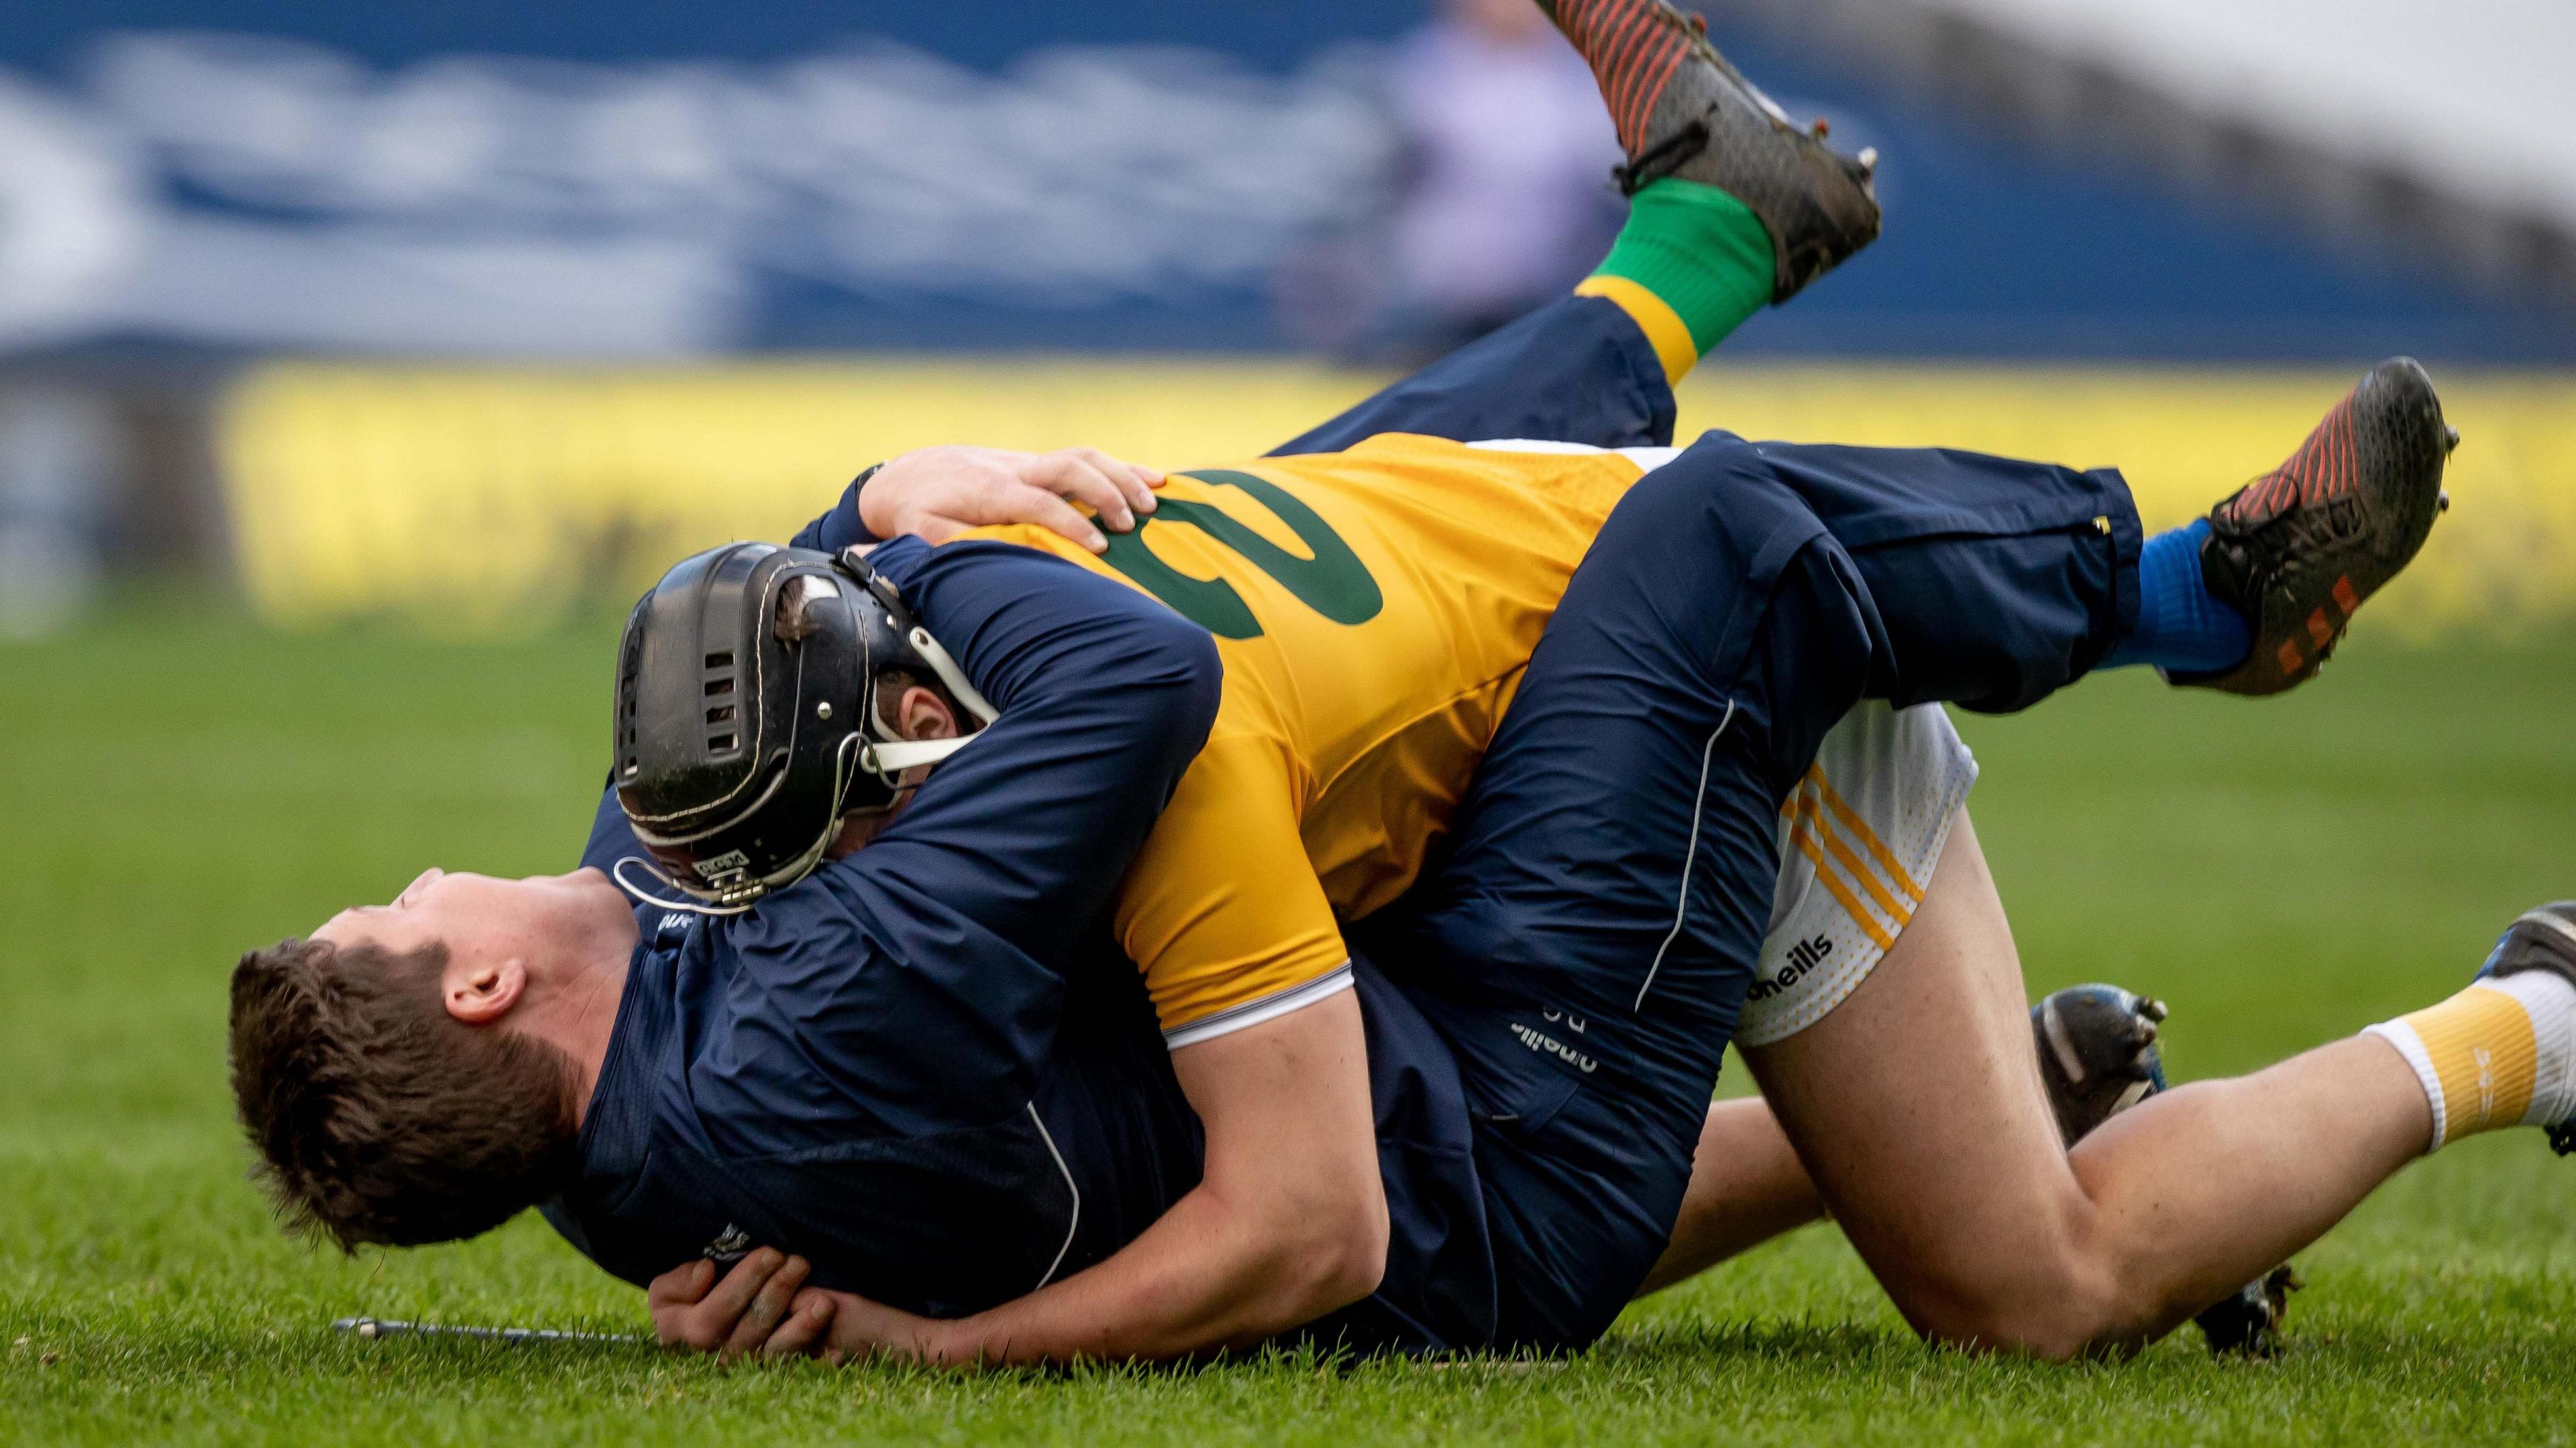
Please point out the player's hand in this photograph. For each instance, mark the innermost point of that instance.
(756, 1307)
(860, 1329)
(940, 492)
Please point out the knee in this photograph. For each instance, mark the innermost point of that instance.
(2057, 1303)
(1709, 514)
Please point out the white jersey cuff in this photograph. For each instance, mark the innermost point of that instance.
(1268, 1008)
(1647, 459)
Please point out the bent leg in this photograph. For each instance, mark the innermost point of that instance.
(1918, 1110)
(1575, 370)
(1691, 264)
(1747, 1186)
(1896, 795)
(1589, 946)
(1992, 581)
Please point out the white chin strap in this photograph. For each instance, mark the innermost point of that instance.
(951, 675)
(894, 756)
(897, 757)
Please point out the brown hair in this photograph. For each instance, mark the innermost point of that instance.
(377, 1116)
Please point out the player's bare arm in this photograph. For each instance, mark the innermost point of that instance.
(1288, 1224)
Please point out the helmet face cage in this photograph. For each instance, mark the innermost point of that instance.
(745, 713)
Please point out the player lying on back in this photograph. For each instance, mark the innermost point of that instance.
(1587, 867)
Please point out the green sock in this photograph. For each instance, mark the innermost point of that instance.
(1698, 250)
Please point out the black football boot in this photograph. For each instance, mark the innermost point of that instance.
(2098, 1057)
(2298, 549)
(1682, 110)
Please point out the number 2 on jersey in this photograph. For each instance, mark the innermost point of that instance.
(1334, 582)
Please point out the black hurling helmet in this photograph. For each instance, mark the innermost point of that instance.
(746, 714)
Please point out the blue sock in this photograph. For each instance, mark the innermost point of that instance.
(2182, 627)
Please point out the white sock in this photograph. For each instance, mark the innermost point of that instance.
(2500, 1053)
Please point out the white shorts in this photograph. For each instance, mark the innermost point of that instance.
(1858, 840)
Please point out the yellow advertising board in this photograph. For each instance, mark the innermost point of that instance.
(475, 498)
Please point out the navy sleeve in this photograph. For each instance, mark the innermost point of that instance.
(918, 982)
(1576, 370)
(839, 528)
(611, 837)
(1106, 695)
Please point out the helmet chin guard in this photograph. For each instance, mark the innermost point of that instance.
(746, 713)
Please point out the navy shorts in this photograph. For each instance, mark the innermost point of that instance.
(1583, 945)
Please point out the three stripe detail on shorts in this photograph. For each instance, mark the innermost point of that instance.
(1851, 861)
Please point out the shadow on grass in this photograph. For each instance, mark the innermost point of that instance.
(172, 1350)
(132, 1348)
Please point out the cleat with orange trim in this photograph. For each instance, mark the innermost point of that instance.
(2298, 549)
(1682, 110)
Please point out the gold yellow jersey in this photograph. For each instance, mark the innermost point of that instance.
(1374, 609)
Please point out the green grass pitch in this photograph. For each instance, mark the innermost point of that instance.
(178, 787)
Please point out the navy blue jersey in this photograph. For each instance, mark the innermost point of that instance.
(922, 1067)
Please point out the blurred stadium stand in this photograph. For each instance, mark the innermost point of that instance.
(2443, 126)
(285, 285)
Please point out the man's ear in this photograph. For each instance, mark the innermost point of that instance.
(922, 714)
(481, 993)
